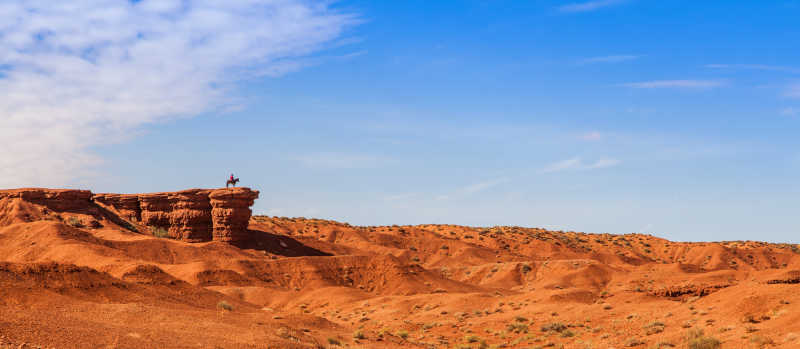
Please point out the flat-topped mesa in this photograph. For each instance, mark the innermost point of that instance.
(193, 215)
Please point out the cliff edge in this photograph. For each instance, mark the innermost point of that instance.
(193, 215)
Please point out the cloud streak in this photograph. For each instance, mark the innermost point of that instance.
(576, 163)
(588, 6)
(79, 74)
(763, 67)
(485, 185)
(677, 84)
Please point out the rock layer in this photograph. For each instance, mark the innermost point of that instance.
(186, 214)
(231, 212)
(194, 215)
(54, 199)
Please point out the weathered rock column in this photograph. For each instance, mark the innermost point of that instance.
(230, 213)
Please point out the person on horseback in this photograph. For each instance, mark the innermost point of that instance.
(231, 180)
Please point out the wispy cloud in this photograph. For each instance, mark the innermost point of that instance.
(764, 67)
(481, 186)
(333, 160)
(609, 59)
(677, 84)
(79, 74)
(577, 163)
(588, 5)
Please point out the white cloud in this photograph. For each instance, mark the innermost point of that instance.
(603, 163)
(481, 186)
(610, 59)
(331, 160)
(588, 6)
(577, 163)
(754, 67)
(680, 84)
(790, 111)
(78, 74)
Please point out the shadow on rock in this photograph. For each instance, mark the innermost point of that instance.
(277, 244)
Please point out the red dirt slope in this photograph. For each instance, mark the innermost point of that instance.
(73, 274)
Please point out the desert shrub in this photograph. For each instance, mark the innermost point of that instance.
(520, 319)
(402, 334)
(224, 306)
(697, 340)
(567, 333)
(654, 327)
(517, 327)
(359, 335)
(526, 268)
(75, 222)
(334, 341)
(554, 326)
(159, 232)
(383, 332)
(472, 339)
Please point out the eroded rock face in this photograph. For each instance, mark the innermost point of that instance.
(185, 214)
(54, 199)
(193, 215)
(126, 205)
(230, 213)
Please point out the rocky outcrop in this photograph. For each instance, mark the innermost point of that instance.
(127, 206)
(230, 213)
(54, 199)
(186, 214)
(193, 215)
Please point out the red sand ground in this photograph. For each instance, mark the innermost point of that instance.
(309, 283)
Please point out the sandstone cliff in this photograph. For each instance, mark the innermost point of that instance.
(193, 215)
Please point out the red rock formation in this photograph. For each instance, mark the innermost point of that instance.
(231, 212)
(54, 199)
(127, 206)
(193, 215)
(190, 215)
(185, 214)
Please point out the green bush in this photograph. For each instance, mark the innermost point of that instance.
(159, 232)
(75, 222)
(359, 335)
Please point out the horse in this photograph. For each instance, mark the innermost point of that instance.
(233, 181)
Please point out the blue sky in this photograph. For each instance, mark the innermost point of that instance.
(672, 118)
